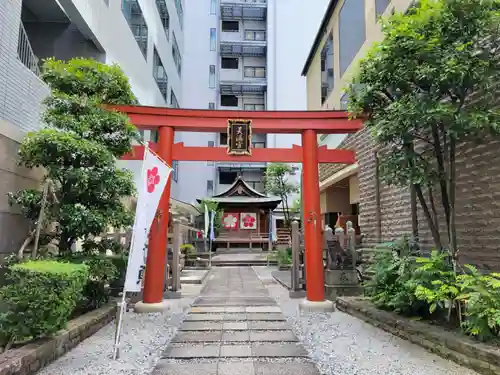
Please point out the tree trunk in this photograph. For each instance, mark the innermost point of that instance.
(433, 226)
(451, 184)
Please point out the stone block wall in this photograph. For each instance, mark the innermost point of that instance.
(477, 200)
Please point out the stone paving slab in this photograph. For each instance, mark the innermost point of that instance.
(162, 368)
(253, 366)
(295, 368)
(232, 336)
(201, 326)
(192, 351)
(268, 325)
(269, 336)
(231, 350)
(266, 317)
(204, 317)
(278, 350)
(235, 326)
(198, 336)
(263, 309)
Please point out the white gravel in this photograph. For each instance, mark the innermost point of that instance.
(341, 344)
(144, 336)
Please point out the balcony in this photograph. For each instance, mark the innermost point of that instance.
(244, 11)
(243, 49)
(239, 88)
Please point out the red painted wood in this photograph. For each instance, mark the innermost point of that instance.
(312, 214)
(195, 120)
(283, 155)
(154, 277)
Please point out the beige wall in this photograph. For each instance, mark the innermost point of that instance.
(354, 189)
(13, 226)
(373, 34)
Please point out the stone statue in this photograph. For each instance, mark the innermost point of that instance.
(337, 257)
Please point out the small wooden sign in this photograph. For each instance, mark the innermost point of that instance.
(239, 137)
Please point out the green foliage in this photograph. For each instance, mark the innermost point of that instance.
(90, 78)
(430, 84)
(40, 297)
(429, 287)
(481, 296)
(188, 249)
(391, 286)
(282, 256)
(92, 247)
(212, 206)
(277, 183)
(436, 282)
(78, 150)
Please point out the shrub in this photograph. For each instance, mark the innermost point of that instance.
(391, 287)
(40, 297)
(481, 296)
(102, 272)
(282, 256)
(188, 249)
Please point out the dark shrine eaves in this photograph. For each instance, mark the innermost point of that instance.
(240, 193)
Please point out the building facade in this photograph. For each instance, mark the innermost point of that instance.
(144, 37)
(239, 57)
(383, 212)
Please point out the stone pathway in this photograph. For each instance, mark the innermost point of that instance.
(234, 327)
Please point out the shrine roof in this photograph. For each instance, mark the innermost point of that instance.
(240, 193)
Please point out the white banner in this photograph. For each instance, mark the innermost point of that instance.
(154, 177)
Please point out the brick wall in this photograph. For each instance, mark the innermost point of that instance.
(477, 200)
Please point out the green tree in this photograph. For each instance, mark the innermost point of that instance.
(277, 182)
(78, 149)
(429, 85)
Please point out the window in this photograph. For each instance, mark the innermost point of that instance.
(173, 100)
(175, 170)
(230, 26)
(161, 5)
(229, 100)
(259, 35)
(176, 55)
(180, 12)
(210, 187)
(351, 37)
(223, 139)
(258, 144)
(211, 105)
(133, 14)
(210, 144)
(211, 77)
(381, 6)
(227, 178)
(254, 107)
(255, 72)
(230, 63)
(160, 75)
(213, 40)
(213, 6)
(327, 77)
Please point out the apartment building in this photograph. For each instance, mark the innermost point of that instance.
(348, 29)
(243, 55)
(145, 37)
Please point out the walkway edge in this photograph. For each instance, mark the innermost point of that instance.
(462, 350)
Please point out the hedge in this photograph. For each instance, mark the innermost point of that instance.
(40, 297)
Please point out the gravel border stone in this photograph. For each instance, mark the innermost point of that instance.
(143, 338)
(343, 345)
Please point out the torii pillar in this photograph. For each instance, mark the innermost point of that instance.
(315, 290)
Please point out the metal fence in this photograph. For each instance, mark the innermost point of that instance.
(25, 52)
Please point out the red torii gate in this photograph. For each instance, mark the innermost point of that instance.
(308, 124)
